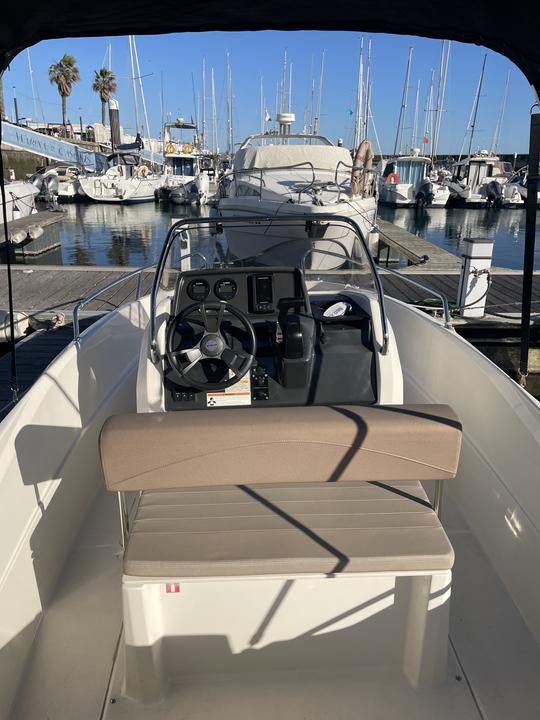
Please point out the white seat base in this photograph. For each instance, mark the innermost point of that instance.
(178, 627)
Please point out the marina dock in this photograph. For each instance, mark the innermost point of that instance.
(40, 219)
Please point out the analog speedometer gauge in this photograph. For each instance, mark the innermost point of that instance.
(225, 289)
(198, 290)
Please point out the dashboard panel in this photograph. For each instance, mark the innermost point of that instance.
(301, 356)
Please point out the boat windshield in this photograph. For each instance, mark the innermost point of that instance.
(182, 166)
(411, 171)
(328, 250)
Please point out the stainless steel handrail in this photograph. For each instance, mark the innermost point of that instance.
(442, 297)
(99, 291)
(255, 172)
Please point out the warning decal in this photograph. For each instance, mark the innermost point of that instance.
(237, 394)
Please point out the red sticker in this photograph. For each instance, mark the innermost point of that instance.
(172, 587)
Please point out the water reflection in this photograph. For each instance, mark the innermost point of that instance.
(105, 235)
(448, 227)
(132, 235)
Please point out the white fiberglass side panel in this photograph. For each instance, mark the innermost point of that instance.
(497, 488)
(50, 472)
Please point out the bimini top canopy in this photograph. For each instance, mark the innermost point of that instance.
(483, 22)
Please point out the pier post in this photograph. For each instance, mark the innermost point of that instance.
(475, 279)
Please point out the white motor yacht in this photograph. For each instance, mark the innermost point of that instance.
(479, 181)
(126, 180)
(189, 172)
(269, 490)
(296, 174)
(407, 181)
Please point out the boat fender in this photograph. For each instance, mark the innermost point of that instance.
(392, 179)
(363, 161)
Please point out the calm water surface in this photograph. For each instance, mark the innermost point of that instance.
(132, 235)
(447, 228)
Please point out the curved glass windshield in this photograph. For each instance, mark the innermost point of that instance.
(327, 248)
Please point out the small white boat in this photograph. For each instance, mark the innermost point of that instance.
(407, 181)
(60, 180)
(296, 174)
(479, 181)
(20, 199)
(126, 180)
(189, 171)
(515, 190)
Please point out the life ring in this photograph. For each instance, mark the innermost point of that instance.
(188, 149)
(363, 161)
(142, 171)
(392, 179)
(169, 148)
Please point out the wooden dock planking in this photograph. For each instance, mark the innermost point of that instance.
(414, 248)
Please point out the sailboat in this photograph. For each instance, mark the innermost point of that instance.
(409, 179)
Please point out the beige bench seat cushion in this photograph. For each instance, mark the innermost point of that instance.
(286, 529)
(291, 444)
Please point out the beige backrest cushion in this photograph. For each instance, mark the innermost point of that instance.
(236, 446)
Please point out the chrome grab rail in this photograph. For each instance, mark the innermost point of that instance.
(259, 173)
(442, 297)
(99, 291)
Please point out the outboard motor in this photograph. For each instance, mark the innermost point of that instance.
(37, 180)
(49, 186)
(425, 194)
(494, 194)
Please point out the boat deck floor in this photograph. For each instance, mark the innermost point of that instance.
(75, 671)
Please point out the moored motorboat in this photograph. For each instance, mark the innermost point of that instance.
(293, 174)
(407, 181)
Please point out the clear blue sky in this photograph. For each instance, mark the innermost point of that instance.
(261, 54)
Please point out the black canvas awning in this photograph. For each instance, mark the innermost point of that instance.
(509, 30)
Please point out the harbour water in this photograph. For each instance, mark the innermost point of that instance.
(132, 235)
(448, 227)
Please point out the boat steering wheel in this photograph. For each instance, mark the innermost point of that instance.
(211, 346)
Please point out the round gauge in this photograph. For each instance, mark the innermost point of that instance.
(225, 289)
(198, 290)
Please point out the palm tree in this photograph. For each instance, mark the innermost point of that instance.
(104, 84)
(64, 74)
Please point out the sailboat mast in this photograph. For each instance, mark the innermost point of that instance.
(441, 91)
(230, 138)
(148, 134)
(498, 126)
(262, 104)
(203, 143)
(215, 147)
(32, 82)
(319, 98)
(368, 91)
(359, 98)
(290, 87)
(403, 109)
(414, 134)
(476, 102)
(427, 111)
(134, 87)
(283, 84)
